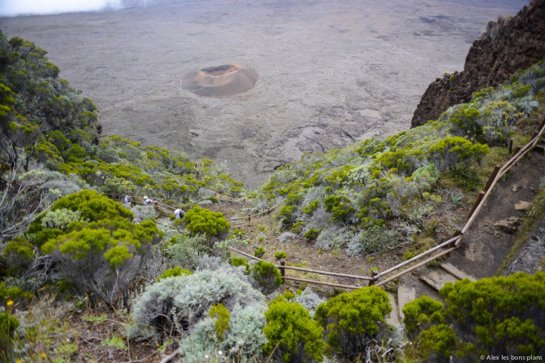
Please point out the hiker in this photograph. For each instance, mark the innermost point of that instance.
(179, 213)
(147, 201)
(127, 200)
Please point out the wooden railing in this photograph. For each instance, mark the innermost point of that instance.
(451, 244)
(283, 267)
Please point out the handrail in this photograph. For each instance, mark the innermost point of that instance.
(427, 252)
(328, 273)
(351, 287)
(318, 272)
(503, 170)
(493, 180)
(246, 254)
(391, 278)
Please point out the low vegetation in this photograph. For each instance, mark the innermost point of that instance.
(377, 194)
(501, 314)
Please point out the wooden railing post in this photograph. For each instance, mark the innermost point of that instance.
(283, 270)
(374, 278)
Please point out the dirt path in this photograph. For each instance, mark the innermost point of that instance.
(485, 245)
(488, 241)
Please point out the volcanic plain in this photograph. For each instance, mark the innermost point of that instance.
(306, 75)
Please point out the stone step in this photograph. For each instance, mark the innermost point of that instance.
(436, 279)
(393, 317)
(455, 271)
(405, 294)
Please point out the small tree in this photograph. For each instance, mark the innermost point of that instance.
(100, 255)
(204, 221)
(292, 334)
(351, 320)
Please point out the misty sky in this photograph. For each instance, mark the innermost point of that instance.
(22, 7)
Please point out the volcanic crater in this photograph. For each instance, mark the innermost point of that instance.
(220, 81)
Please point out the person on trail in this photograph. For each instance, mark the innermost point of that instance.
(147, 201)
(127, 200)
(179, 213)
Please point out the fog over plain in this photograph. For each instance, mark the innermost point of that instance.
(329, 72)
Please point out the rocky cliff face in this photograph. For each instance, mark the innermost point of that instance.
(507, 46)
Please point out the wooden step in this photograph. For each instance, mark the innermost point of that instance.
(455, 271)
(393, 317)
(436, 279)
(405, 294)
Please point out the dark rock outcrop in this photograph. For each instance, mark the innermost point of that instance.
(507, 46)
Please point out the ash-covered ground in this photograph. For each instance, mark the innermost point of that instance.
(329, 72)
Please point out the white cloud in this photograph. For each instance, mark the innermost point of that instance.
(22, 7)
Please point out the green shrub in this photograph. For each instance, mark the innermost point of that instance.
(297, 227)
(292, 334)
(280, 255)
(222, 315)
(8, 327)
(339, 175)
(174, 271)
(14, 293)
(421, 313)
(310, 208)
(454, 151)
(311, 234)
(238, 234)
(407, 255)
(405, 160)
(204, 221)
(351, 320)
(466, 122)
(240, 261)
(340, 208)
(439, 343)
(267, 276)
(498, 314)
(286, 215)
(259, 252)
(93, 206)
(19, 254)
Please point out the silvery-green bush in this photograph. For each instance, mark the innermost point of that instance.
(142, 212)
(175, 305)
(309, 299)
(186, 251)
(60, 218)
(243, 340)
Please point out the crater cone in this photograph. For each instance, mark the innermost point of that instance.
(220, 81)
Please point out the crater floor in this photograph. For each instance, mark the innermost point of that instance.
(330, 72)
